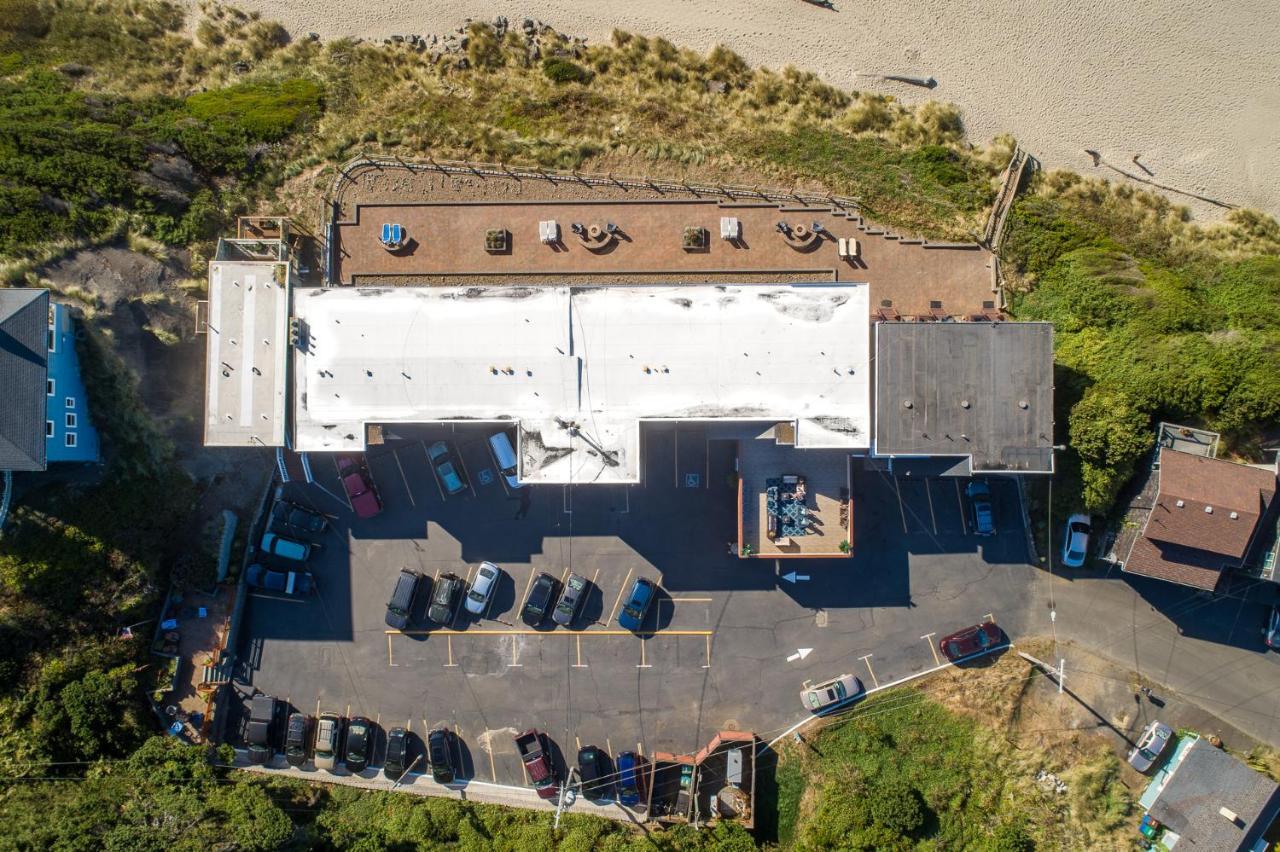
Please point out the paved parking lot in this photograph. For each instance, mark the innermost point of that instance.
(719, 650)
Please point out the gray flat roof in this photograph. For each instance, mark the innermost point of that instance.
(978, 390)
(24, 367)
(1206, 781)
(246, 349)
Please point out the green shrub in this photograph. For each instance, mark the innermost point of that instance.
(264, 112)
(560, 70)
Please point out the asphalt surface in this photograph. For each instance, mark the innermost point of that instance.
(721, 648)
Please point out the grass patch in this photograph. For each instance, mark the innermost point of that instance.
(564, 71)
(265, 112)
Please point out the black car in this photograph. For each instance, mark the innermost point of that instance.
(594, 770)
(359, 739)
(439, 757)
(296, 739)
(296, 584)
(404, 599)
(262, 717)
(397, 753)
(290, 518)
(444, 599)
(541, 594)
(575, 592)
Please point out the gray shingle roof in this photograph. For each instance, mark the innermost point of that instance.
(1207, 780)
(24, 367)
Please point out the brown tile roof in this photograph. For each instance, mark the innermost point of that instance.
(1191, 536)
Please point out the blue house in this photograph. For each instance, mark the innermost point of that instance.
(69, 433)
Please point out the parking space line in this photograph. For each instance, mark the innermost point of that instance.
(515, 646)
(451, 663)
(991, 616)
(528, 585)
(564, 575)
(389, 661)
(960, 500)
(566, 499)
(547, 634)
(609, 745)
(639, 747)
(493, 772)
(395, 454)
(622, 591)
(577, 742)
(928, 491)
(708, 663)
(901, 511)
(339, 474)
(643, 664)
(579, 664)
(928, 637)
(675, 464)
(463, 464)
(691, 600)
(435, 477)
(867, 660)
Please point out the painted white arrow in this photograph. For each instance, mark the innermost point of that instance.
(792, 576)
(800, 654)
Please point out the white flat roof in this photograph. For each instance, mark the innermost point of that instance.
(579, 367)
(246, 345)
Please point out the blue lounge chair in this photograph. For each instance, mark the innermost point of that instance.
(386, 234)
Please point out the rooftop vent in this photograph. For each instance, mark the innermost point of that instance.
(964, 403)
(1023, 404)
(1235, 516)
(906, 403)
(1180, 504)
(1208, 510)
(1231, 815)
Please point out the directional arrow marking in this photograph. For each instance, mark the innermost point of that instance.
(792, 576)
(800, 654)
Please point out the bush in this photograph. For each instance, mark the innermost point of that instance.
(564, 71)
(263, 112)
(1110, 434)
(896, 807)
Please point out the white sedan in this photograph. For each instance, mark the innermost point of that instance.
(482, 588)
(1076, 547)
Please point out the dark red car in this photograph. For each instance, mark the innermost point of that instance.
(359, 486)
(972, 640)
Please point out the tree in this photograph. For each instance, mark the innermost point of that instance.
(895, 805)
(101, 710)
(255, 821)
(1110, 433)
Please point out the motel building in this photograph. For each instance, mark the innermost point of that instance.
(811, 370)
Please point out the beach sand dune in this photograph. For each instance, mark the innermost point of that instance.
(1191, 86)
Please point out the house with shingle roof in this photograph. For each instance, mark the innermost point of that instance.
(24, 369)
(1204, 519)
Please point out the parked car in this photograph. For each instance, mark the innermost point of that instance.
(295, 583)
(637, 604)
(816, 698)
(1151, 744)
(404, 599)
(505, 455)
(439, 757)
(533, 754)
(981, 515)
(593, 769)
(1076, 548)
(397, 753)
(297, 738)
(482, 588)
(447, 469)
(1272, 634)
(444, 599)
(359, 739)
(630, 772)
(358, 483)
(541, 594)
(287, 548)
(575, 592)
(970, 641)
(292, 518)
(262, 718)
(328, 735)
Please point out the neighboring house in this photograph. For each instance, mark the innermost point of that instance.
(24, 366)
(1207, 799)
(69, 434)
(1204, 519)
(45, 415)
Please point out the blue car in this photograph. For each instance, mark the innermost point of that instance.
(633, 611)
(981, 515)
(630, 778)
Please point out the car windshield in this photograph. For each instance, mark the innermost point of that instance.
(1148, 753)
(1078, 527)
(1075, 555)
(632, 611)
(983, 639)
(565, 607)
(478, 597)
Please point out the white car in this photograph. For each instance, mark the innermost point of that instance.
(1076, 548)
(482, 588)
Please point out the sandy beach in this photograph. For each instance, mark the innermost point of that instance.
(1190, 86)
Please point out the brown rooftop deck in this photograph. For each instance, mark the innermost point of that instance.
(447, 243)
(826, 474)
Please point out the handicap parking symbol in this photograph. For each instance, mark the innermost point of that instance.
(691, 480)
(486, 476)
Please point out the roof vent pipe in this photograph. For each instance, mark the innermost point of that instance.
(1208, 510)
(1235, 516)
(1180, 504)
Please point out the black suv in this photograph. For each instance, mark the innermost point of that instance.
(404, 599)
(438, 756)
(575, 592)
(290, 518)
(262, 717)
(444, 599)
(297, 738)
(359, 739)
(541, 594)
(594, 771)
(397, 750)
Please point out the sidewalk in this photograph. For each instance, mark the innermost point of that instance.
(482, 792)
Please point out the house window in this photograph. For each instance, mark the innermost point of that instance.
(49, 387)
(48, 428)
(71, 402)
(52, 340)
(71, 439)
(71, 420)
